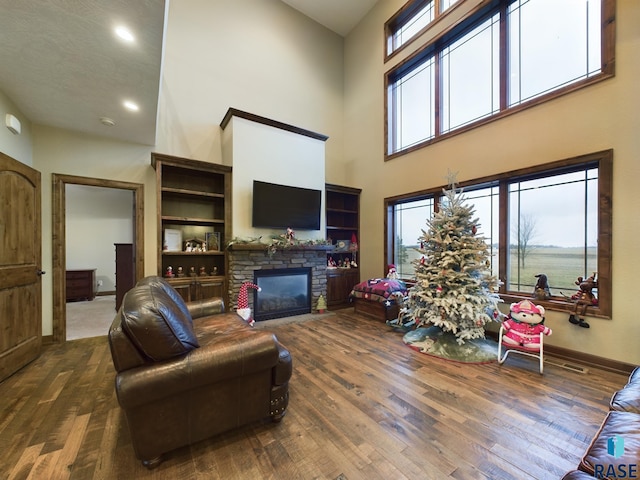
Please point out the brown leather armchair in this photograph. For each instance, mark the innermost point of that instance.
(181, 379)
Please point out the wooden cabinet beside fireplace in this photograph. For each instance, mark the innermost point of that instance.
(194, 205)
(343, 224)
(199, 288)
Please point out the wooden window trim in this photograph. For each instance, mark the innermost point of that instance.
(434, 47)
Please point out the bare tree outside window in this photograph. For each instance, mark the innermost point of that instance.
(525, 232)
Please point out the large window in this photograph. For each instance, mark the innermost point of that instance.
(499, 59)
(553, 219)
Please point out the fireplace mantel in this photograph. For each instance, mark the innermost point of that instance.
(254, 247)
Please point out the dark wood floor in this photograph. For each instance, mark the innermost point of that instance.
(363, 405)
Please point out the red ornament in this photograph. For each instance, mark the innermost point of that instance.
(474, 230)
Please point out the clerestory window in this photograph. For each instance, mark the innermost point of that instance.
(502, 58)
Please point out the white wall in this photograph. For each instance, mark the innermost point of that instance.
(96, 219)
(18, 147)
(269, 154)
(261, 57)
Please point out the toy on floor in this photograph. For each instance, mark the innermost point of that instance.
(405, 320)
(583, 298)
(523, 326)
(243, 302)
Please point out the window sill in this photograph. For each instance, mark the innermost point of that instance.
(556, 304)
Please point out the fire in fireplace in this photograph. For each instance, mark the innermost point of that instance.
(284, 292)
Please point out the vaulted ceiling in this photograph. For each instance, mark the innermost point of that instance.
(63, 66)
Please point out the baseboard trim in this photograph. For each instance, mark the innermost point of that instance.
(586, 359)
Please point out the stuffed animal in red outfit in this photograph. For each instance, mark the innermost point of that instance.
(523, 326)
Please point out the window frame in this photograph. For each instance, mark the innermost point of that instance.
(449, 35)
(604, 162)
(400, 18)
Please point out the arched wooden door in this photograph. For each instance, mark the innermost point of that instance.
(20, 266)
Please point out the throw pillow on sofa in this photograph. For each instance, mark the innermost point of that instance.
(155, 324)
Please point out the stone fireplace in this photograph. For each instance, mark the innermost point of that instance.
(248, 263)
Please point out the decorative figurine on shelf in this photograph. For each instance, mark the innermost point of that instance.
(322, 304)
(169, 272)
(331, 263)
(523, 326)
(583, 298)
(180, 272)
(541, 290)
(192, 272)
(290, 236)
(202, 272)
(392, 272)
(243, 302)
(214, 272)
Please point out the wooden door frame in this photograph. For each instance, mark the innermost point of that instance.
(59, 240)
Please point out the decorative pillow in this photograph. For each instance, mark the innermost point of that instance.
(160, 282)
(378, 289)
(155, 324)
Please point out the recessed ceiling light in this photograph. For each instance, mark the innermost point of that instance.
(131, 106)
(124, 33)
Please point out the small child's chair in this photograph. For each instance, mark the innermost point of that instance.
(539, 354)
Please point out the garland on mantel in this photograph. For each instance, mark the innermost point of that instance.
(279, 242)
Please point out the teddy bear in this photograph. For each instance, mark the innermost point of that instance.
(523, 326)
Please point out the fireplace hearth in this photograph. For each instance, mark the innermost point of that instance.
(283, 293)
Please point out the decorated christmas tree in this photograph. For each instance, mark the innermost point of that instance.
(454, 287)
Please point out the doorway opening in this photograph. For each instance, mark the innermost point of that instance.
(60, 183)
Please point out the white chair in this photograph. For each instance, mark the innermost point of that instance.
(522, 351)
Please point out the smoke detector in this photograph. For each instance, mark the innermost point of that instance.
(109, 122)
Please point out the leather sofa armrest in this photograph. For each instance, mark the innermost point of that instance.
(284, 367)
(227, 357)
(206, 307)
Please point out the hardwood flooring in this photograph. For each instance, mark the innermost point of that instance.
(362, 406)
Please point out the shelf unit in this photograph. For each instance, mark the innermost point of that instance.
(343, 222)
(194, 203)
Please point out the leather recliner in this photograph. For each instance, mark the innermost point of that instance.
(188, 371)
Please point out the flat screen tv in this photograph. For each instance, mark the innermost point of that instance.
(283, 206)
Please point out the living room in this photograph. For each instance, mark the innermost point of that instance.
(269, 59)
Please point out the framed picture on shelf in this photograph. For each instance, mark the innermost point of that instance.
(342, 245)
(172, 240)
(213, 241)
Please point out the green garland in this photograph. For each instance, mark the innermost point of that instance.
(278, 242)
